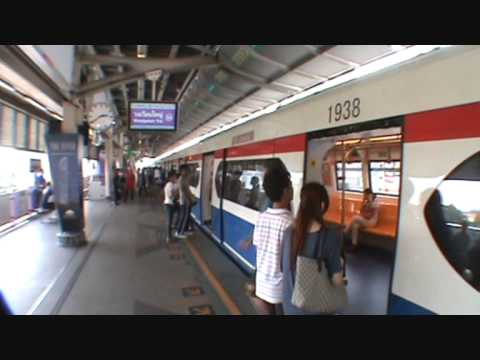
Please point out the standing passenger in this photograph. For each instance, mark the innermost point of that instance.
(117, 187)
(186, 201)
(171, 195)
(130, 190)
(267, 238)
(306, 236)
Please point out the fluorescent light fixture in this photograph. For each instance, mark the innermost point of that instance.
(55, 115)
(386, 138)
(402, 55)
(36, 104)
(7, 86)
(397, 47)
(365, 70)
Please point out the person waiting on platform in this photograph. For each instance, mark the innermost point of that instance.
(368, 217)
(171, 201)
(268, 236)
(47, 196)
(117, 187)
(186, 200)
(142, 183)
(130, 189)
(304, 238)
(39, 185)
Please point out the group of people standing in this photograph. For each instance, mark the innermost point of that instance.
(127, 183)
(280, 239)
(178, 202)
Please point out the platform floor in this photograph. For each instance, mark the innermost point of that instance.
(126, 269)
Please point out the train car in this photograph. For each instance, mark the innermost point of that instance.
(412, 135)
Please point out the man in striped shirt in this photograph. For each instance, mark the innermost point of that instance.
(267, 238)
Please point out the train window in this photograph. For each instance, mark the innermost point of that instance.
(353, 176)
(453, 216)
(244, 182)
(194, 171)
(385, 177)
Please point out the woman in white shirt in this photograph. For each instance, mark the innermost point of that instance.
(171, 198)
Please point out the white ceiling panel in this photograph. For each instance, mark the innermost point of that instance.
(360, 54)
(298, 80)
(323, 66)
(271, 94)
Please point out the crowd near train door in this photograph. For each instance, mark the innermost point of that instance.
(207, 188)
(347, 164)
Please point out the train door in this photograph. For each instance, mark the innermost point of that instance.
(347, 162)
(207, 189)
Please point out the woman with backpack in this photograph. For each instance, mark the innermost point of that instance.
(309, 238)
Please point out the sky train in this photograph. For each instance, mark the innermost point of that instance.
(410, 133)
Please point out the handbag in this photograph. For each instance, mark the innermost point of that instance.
(314, 291)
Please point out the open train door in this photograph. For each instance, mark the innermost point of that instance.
(347, 161)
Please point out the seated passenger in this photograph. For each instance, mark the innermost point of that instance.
(368, 217)
(47, 195)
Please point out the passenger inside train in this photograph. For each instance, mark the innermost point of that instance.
(361, 172)
(368, 217)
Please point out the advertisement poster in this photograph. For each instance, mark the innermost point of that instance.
(66, 169)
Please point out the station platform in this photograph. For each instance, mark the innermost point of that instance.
(127, 268)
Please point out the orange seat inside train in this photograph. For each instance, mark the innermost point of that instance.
(387, 217)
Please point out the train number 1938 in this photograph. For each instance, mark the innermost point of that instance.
(345, 111)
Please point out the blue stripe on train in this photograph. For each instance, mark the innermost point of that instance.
(237, 230)
(196, 210)
(401, 306)
(216, 222)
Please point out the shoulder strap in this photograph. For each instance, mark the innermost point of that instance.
(320, 250)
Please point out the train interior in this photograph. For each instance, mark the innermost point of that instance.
(347, 164)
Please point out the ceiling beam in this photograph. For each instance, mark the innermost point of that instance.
(121, 69)
(166, 77)
(202, 49)
(149, 64)
(264, 58)
(175, 66)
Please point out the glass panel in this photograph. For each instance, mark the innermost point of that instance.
(32, 134)
(194, 170)
(385, 177)
(453, 216)
(7, 127)
(244, 182)
(20, 142)
(353, 176)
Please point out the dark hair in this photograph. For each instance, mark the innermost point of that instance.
(171, 173)
(369, 191)
(314, 203)
(275, 182)
(183, 167)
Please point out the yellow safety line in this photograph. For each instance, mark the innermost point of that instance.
(227, 300)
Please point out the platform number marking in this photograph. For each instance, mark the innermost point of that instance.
(344, 111)
(202, 310)
(192, 292)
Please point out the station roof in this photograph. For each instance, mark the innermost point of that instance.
(232, 82)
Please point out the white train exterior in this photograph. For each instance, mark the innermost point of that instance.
(435, 101)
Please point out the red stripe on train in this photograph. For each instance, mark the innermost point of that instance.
(194, 157)
(283, 145)
(457, 122)
(219, 154)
